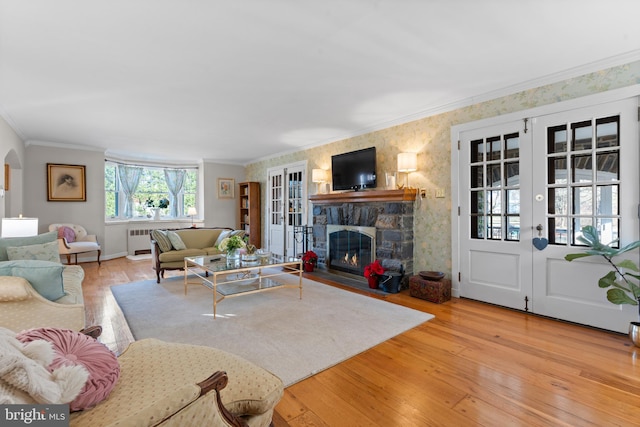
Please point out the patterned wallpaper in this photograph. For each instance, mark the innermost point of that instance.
(430, 137)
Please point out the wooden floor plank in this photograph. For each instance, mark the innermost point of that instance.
(474, 364)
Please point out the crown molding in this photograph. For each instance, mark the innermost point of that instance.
(12, 124)
(574, 72)
(35, 142)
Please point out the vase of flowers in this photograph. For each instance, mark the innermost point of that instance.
(373, 272)
(163, 203)
(309, 261)
(231, 245)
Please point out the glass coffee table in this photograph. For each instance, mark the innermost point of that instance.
(228, 278)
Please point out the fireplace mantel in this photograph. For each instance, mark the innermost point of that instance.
(404, 195)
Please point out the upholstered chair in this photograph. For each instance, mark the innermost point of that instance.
(73, 239)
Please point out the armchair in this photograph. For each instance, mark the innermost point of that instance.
(80, 242)
(180, 385)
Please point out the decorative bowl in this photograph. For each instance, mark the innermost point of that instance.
(431, 275)
(249, 257)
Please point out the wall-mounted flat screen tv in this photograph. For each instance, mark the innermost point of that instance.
(355, 170)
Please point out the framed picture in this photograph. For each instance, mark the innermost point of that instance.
(66, 183)
(225, 188)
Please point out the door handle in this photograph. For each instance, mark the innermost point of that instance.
(540, 242)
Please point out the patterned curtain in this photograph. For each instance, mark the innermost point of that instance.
(129, 179)
(175, 182)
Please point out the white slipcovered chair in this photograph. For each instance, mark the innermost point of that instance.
(82, 242)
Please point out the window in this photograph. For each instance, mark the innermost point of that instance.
(152, 186)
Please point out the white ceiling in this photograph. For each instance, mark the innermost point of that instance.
(235, 81)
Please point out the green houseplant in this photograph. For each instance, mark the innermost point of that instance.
(623, 282)
(231, 244)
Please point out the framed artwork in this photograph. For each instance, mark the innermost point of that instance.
(66, 183)
(225, 188)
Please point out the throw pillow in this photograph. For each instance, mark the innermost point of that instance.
(25, 379)
(176, 241)
(162, 240)
(73, 348)
(5, 242)
(223, 235)
(43, 252)
(44, 276)
(13, 289)
(237, 233)
(66, 233)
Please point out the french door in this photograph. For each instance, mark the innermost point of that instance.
(275, 212)
(287, 208)
(526, 190)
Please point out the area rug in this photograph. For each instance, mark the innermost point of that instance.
(293, 338)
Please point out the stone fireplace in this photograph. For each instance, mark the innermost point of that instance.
(383, 216)
(350, 248)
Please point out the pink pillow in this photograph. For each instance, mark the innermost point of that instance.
(75, 348)
(67, 233)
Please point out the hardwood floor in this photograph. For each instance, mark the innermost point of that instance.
(474, 364)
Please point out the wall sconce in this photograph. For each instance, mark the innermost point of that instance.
(19, 227)
(318, 176)
(192, 212)
(407, 162)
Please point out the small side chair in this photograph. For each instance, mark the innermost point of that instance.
(76, 242)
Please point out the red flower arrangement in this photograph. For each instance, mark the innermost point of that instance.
(374, 269)
(310, 257)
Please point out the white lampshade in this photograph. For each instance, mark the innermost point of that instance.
(192, 211)
(318, 175)
(19, 227)
(407, 162)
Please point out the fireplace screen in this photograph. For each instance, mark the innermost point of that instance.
(350, 251)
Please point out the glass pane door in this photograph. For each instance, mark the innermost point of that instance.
(495, 188)
(294, 199)
(583, 179)
(276, 199)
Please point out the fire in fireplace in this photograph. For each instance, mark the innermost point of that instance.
(351, 248)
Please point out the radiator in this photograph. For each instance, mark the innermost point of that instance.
(138, 241)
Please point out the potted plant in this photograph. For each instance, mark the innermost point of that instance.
(623, 281)
(163, 203)
(373, 272)
(230, 245)
(309, 261)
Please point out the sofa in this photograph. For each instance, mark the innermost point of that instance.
(151, 383)
(36, 290)
(181, 385)
(170, 255)
(22, 307)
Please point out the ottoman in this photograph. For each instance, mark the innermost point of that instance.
(437, 291)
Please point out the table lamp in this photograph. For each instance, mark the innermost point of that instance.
(192, 212)
(19, 227)
(318, 176)
(407, 162)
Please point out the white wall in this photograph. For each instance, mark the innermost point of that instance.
(89, 214)
(219, 212)
(11, 151)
